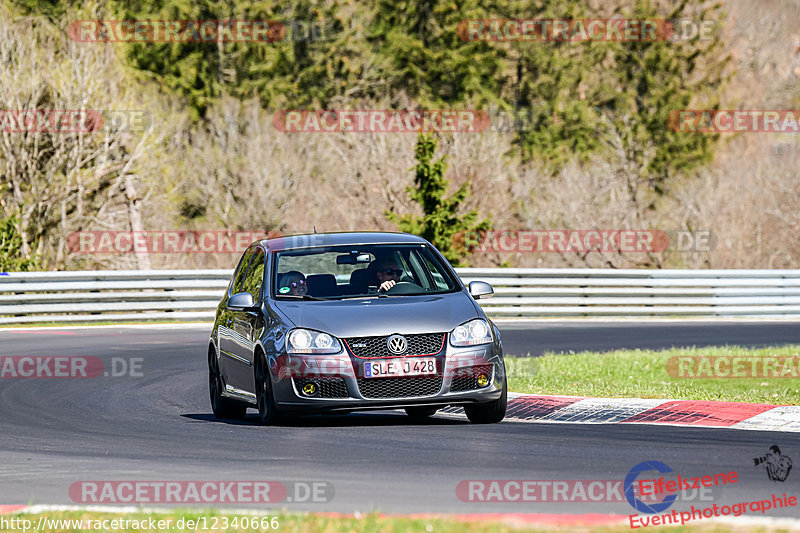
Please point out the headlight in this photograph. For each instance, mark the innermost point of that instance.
(306, 341)
(471, 333)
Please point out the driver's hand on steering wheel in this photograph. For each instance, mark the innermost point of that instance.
(386, 285)
(387, 275)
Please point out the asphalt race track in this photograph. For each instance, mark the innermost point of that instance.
(157, 425)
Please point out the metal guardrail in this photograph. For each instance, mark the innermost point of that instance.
(87, 296)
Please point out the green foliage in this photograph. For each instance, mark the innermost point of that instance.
(52, 9)
(429, 62)
(328, 58)
(12, 258)
(441, 224)
(588, 96)
(555, 83)
(581, 97)
(320, 55)
(330, 50)
(657, 78)
(203, 71)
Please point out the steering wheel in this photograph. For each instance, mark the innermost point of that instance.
(404, 287)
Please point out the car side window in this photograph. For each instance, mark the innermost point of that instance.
(238, 278)
(255, 275)
(438, 279)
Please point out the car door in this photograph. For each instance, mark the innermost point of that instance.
(226, 336)
(246, 326)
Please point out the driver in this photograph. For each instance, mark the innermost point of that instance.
(293, 283)
(387, 273)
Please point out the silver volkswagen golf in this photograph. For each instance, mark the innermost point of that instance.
(338, 322)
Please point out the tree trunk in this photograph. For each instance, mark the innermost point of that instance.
(137, 227)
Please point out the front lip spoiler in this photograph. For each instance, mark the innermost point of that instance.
(380, 404)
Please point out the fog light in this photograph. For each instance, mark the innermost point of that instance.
(310, 389)
(483, 380)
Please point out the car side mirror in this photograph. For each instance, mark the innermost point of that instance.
(480, 289)
(241, 301)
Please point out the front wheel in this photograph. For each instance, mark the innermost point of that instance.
(221, 407)
(489, 413)
(267, 412)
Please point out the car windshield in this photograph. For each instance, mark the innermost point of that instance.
(354, 271)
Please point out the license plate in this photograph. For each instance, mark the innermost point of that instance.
(395, 368)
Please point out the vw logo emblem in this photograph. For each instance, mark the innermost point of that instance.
(397, 344)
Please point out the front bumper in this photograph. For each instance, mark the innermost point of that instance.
(341, 384)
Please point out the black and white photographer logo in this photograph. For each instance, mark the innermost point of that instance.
(778, 465)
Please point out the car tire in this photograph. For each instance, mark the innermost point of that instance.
(221, 407)
(492, 412)
(267, 411)
(421, 412)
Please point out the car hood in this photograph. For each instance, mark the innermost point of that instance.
(363, 317)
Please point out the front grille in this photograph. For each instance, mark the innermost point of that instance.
(327, 387)
(399, 387)
(420, 344)
(467, 378)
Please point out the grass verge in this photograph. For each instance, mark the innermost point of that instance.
(644, 374)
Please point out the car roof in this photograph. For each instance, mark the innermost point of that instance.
(313, 240)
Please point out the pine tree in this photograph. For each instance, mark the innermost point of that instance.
(441, 224)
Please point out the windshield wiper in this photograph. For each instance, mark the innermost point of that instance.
(300, 297)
